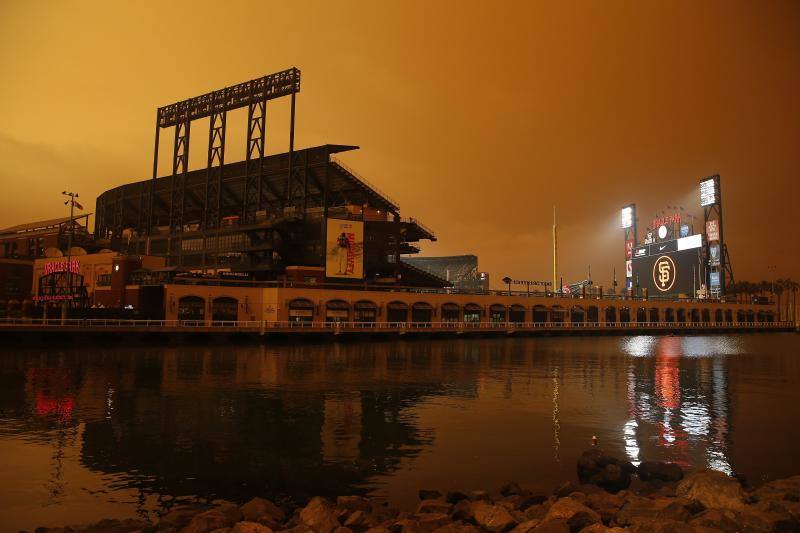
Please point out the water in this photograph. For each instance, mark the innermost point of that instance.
(93, 432)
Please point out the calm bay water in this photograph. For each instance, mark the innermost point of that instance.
(91, 432)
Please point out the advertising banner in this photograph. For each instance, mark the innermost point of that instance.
(712, 230)
(713, 255)
(344, 257)
(628, 248)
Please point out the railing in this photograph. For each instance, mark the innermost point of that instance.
(422, 226)
(265, 325)
(179, 280)
(386, 198)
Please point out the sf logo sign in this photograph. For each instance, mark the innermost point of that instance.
(664, 273)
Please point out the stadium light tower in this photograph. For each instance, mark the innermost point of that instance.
(628, 224)
(720, 274)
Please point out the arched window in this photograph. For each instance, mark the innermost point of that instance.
(301, 310)
(654, 315)
(421, 313)
(450, 312)
(625, 315)
(541, 313)
(472, 313)
(641, 314)
(191, 308)
(337, 311)
(497, 313)
(718, 316)
(577, 315)
(397, 312)
(224, 308)
(516, 314)
(669, 315)
(705, 315)
(611, 315)
(365, 311)
(593, 314)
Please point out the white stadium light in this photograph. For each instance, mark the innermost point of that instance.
(626, 216)
(708, 191)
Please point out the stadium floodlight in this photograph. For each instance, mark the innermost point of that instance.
(626, 216)
(708, 191)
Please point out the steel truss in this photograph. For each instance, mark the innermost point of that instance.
(215, 105)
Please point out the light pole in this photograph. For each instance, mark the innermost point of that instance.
(70, 229)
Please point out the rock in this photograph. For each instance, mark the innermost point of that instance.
(494, 518)
(230, 510)
(430, 522)
(478, 495)
(537, 511)
(319, 515)
(566, 507)
(457, 527)
(455, 496)
(342, 529)
(429, 494)
(208, 521)
(379, 529)
(779, 489)
(660, 525)
(462, 511)
(717, 519)
(600, 528)
(659, 508)
(258, 508)
(527, 526)
(581, 520)
(604, 500)
(249, 527)
(510, 489)
(434, 506)
(566, 489)
(658, 470)
(176, 518)
(356, 519)
(354, 503)
(598, 468)
(713, 489)
(529, 499)
(553, 525)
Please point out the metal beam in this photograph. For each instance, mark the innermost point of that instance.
(216, 160)
(260, 89)
(254, 162)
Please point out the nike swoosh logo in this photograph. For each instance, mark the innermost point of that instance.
(661, 248)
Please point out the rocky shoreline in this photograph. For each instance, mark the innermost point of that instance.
(613, 495)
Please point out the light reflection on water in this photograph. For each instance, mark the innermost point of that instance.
(131, 431)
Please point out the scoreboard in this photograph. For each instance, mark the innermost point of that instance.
(668, 268)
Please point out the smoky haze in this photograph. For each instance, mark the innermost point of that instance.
(477, 118)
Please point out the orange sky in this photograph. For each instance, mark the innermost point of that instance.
(475, 118)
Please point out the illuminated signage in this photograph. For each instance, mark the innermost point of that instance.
(52, 297)
(684, 230)
(628, 248)
(626, 216)
(708, 191)
(73, 266)
(714, 279)
(662, 232)
(713, 255)
(640, 252)
(664, 273)
(666, 221)
(629, 269)
(712, 230)
(687, 243)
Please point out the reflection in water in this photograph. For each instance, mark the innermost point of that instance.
(701, 415)
(133, 431)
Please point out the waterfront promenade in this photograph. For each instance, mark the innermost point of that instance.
(26, 327)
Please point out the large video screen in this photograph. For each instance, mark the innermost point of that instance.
(668, 268)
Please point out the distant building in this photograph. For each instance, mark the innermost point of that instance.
(460, 270)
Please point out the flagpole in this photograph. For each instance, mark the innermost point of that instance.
(71, 230)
